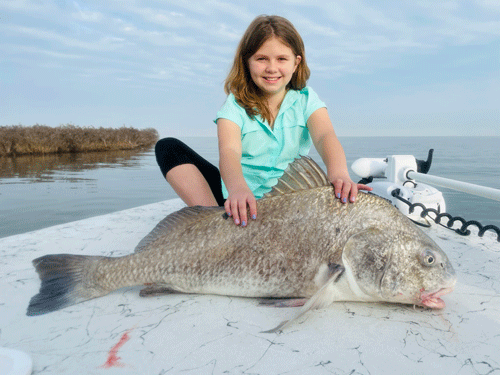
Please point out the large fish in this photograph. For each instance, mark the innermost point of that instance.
(304, 244)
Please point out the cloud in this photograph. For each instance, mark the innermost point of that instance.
(166, 18)
(363, 36)
(460, 22)
(87, 16)
(103, 43)
(157, 38)
(239, 13)
(26, 6)
(200, 29)
(489, 5)
(15, 49)
(307, 26)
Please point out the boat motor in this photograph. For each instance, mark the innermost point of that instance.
(388, 178)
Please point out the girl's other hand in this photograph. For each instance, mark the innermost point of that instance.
(346, 189)
(236, 206)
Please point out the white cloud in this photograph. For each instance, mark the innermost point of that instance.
(306, 26)
(489, 5)
(455, 22)
(166, 18)
(104, 43)
(87, 16)
(241, 13)
(26, 6)
(14, 49)
(157, 38)
(337, 12)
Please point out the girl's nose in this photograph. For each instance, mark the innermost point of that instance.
(271, 66)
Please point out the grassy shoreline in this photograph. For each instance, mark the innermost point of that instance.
(42, 139)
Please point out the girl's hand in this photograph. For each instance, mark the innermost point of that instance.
(236, 205)
(345, 188)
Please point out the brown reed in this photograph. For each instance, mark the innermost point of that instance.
(42, 139)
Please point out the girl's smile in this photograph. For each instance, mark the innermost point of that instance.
(272, 68)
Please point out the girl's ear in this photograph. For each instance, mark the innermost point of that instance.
(298, 59)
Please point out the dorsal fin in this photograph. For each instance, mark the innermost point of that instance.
(301, 174)
(176, 219)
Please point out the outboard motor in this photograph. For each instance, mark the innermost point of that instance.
(388, 180)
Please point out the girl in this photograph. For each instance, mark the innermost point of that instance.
(270, 117)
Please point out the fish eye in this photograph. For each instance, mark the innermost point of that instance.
(428, 258)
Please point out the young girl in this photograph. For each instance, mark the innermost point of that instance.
(270, 117)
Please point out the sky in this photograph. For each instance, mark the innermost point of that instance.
(384, 68)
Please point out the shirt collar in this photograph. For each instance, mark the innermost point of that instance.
(289, 100)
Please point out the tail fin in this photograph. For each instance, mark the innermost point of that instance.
(64, 283)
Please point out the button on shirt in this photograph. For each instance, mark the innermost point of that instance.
(267, 152)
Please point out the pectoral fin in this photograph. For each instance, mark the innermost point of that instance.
(322, 298)
(282, 302)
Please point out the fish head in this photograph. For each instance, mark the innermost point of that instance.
(397, 266)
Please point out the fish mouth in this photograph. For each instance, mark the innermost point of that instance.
(432, 300)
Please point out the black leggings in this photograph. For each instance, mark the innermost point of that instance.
(171, 152)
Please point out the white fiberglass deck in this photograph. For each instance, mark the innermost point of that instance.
(198, 334)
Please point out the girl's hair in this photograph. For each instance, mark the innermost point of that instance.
(239, 81)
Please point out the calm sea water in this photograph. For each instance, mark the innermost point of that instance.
(41, 191)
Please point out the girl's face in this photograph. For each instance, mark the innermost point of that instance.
(272, 67)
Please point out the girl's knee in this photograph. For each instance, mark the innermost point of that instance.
(171, 152)
(166, 145)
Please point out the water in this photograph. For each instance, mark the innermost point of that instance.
(41, 191)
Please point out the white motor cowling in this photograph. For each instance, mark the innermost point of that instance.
(393, 182)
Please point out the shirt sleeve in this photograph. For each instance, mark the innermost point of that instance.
(313, 102)
(231, 110)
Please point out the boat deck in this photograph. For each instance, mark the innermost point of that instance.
(123, 333)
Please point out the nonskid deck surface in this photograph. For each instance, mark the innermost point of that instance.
(199, 334)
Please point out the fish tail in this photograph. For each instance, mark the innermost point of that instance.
(65, 280)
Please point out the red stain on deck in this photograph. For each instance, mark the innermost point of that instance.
(113, 359)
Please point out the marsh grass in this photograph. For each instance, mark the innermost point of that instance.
(42, 139)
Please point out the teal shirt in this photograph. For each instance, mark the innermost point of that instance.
(267, 152)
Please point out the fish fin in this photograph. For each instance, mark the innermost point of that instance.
(182, 217)
(322, 298)
(156, 290)
(302, 174)
(282, 302)
(63, 283)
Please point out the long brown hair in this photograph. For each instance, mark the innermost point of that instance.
(239, 81)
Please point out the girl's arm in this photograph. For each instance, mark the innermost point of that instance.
(326, 142)
(240, 195)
